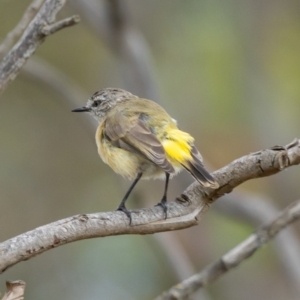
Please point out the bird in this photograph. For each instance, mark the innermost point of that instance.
(138, 139)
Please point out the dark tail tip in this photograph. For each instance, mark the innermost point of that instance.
(196, 168)
(203, 176)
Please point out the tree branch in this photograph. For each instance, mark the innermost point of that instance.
(235, 256)
(30, 40)
(14, 290)
(182, 212)
(21, 26)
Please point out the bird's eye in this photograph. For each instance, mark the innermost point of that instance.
(96, 103)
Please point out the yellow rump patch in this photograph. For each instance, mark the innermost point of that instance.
(177, 145)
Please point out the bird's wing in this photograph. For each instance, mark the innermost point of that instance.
(133, 135)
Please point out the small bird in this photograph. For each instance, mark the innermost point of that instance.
(138, 139)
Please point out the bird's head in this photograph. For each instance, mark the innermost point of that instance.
(103, 101)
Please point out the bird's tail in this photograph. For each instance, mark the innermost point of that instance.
(196, 168)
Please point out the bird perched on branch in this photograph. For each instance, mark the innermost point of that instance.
(138, 139)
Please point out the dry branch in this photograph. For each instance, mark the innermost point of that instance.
(14, 290)
(235, 256)
(182, 212)
(21, 26)
(30, 40)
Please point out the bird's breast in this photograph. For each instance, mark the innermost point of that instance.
(125, 163)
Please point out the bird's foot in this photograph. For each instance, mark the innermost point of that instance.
(163, 204)
(125, 211)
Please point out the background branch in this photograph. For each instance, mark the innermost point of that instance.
(29, 41)
(14, 290)
(255, 210)
(235, 256)
(179, 260)
(110, 21)
(44, 73)
(21, 26)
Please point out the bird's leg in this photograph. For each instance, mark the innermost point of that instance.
(122, 206)
(163, 202)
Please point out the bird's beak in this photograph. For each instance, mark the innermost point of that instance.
(81, 109)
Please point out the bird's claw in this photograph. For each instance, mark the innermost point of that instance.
(163, 204)
(126, 212)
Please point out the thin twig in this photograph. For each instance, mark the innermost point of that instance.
(52, 28)
(21, 26)
(235, 256)
(182, 213)
(29, 41)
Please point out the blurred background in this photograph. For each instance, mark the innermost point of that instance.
(228, 71)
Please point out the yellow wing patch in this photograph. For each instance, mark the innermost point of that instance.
(177, 145)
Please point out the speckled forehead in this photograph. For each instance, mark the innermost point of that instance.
(100, 95)
(109, 94)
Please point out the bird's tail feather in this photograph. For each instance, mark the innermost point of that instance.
(196, 168)
(201, 175)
